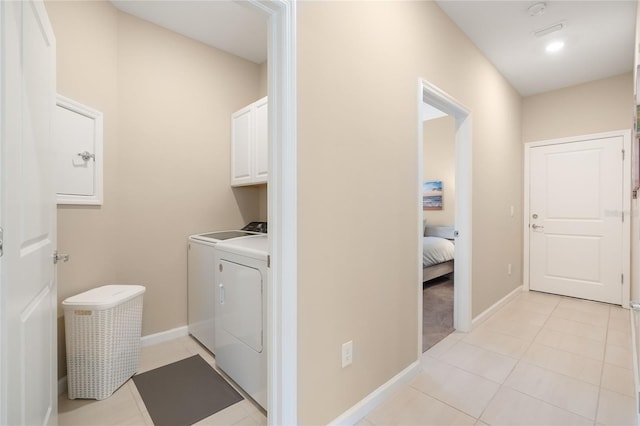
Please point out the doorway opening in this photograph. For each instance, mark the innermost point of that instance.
(438, 208)
(435, 104)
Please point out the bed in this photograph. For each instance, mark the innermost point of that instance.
(438, 252)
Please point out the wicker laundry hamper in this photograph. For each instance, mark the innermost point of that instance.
(102, 328)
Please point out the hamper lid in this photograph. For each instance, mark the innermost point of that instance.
(104, 297)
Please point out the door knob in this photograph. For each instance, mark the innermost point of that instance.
(534, 226)
(86, 156)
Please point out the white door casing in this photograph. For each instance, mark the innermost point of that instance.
(434, 96)
(577, 232)
(282, 311)
(28, 294)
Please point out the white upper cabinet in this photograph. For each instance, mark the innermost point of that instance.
(78, 145)
(249, 144)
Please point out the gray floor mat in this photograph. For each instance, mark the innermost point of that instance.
(184, 392)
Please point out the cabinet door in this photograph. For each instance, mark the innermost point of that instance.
(241, 149)
(261, 142)
(78, 144)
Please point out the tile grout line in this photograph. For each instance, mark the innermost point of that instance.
(604, 355)
(519, 360)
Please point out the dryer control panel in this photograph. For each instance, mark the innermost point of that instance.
(256, 227)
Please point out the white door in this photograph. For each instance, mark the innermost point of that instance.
(28, 356)
(576, 219)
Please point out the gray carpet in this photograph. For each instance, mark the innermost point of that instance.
(437, 310)
(184, 392)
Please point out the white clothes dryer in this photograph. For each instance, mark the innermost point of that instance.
(240, 322)
(201, 279)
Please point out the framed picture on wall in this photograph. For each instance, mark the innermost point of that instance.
(432, 195)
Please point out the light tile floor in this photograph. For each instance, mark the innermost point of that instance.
(540, 360)
(125, 406)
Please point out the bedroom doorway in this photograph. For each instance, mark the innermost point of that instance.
(435, 104)
(438, 214)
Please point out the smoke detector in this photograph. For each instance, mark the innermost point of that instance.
(537, 9)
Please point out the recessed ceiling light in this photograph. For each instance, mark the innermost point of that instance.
(537, 9)
(554, 46)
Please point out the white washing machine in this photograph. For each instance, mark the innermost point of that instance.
(201, 279)
(241, 313)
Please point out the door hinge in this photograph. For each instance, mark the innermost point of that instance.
(268, 261)
(623, 216)
(622, 279)
(1, 241)
(623, 155)
(59, 258)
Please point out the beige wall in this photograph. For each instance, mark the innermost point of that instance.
(167, 102)
(439, 160)
(176, 97)
(359, 64)
(88, 75)
(593, 107)
(264, 86)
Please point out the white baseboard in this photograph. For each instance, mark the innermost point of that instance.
(164, 336)
(493, 308)
(375, 398)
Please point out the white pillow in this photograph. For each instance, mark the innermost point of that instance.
(439, 231)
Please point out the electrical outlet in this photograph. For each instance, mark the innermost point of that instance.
(347, 353)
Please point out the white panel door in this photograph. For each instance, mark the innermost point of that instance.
(28, 367)
(575, 222)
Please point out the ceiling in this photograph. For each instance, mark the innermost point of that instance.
(232, 26)
(598, 34)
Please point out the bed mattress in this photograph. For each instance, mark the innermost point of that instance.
(436, 250)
